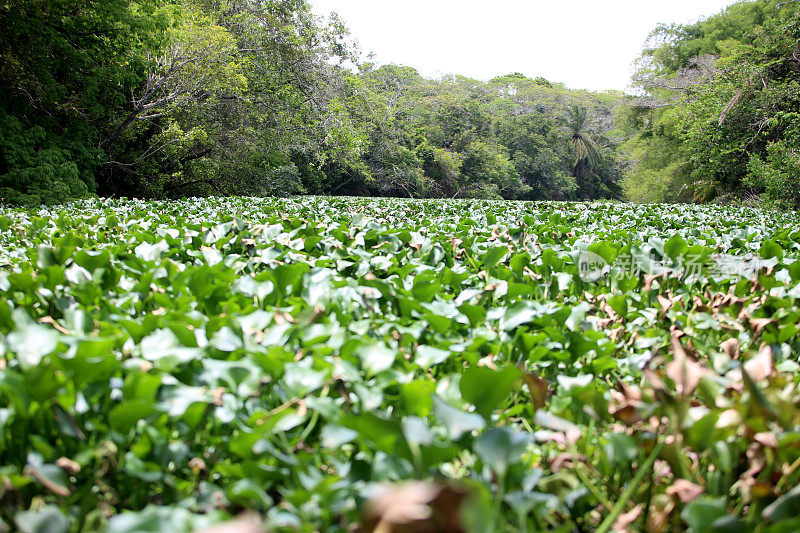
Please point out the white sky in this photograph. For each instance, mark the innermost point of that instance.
(582, 43)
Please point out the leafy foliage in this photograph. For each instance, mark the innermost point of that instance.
(62, 65)
(169, 98)
(166, 365)
(719, 113)
(461, 138)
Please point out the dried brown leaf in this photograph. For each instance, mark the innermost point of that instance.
(660, 511)
(766, 439)
(566, 460)
(626, 519)
(539, 389)
(415, 507)
(68, 465)
(728, 418)
(683, 371)
(730, 347)
(758, 324)
(56, 325)
(52, 486)
(654, 378)
(761, 366)
(197, 465)
(665, 303)
(685, 490)
(488, 362)
(648, 281)
(686, 374)
(756, 460)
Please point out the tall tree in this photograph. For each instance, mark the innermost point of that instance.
(718, 107)
(587, 154)
(63, 65)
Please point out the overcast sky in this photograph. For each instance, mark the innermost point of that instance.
(583, 43)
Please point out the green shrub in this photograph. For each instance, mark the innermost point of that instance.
(778, 174)
(34, 171)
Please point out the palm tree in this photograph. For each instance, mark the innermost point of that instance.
(587, 153)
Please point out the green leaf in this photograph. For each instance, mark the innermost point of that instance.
(382, 433)
(149, 251)
(675, 247)
(417, 397)
(30, 341)
(427, 356)
(493, 256)
(249, 494)
(550, 259)
(333, 437)
(226, 340)
(416, 431)
(300, 378)
(771, 249)
(701, 513)
(488, 389)
(375, 357)
(165, 350)
(456, 421)
(124, 416)
(604, 250)
(619, 303)
(475, 313)
(519, 261)
(49, 519)
(785, 507)
(568, 383)
(577, 315)
(501, 447)
(518, 314)
(729, 524)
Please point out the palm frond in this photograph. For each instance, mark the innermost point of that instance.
(576, 118)
(585, 148)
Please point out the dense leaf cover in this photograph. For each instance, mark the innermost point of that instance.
(166, 365)
(175, 98)
(720, 117)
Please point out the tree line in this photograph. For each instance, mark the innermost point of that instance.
(718, 117)
(171, 98)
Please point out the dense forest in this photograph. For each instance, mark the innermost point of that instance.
(226, 307)
(174, 98)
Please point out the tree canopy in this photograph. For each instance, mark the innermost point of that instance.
(166, 98)
(172, 98)
(719, 119)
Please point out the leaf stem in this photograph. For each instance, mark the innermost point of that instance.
(592, 488)
(632, 486)
(785, 478)
(498, 506)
